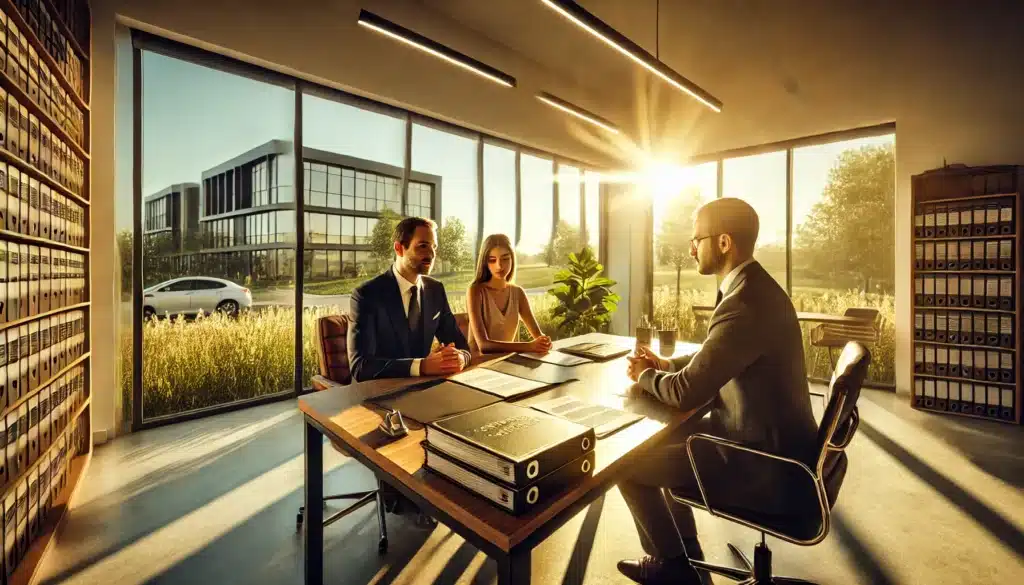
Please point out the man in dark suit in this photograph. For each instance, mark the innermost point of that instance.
(751, 370)
(396, 315)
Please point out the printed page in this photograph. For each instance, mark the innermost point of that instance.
(603, 420)
(558, 358)
(497, 383)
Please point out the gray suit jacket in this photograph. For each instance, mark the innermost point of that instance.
(751, 366)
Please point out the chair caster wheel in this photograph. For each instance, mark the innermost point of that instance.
(382, 546)
(298, 521)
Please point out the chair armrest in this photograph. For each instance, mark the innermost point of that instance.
(321, 383)
(730, 444)
(849, 430)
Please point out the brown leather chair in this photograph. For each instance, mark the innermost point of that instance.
(822, 475)
(332, 357)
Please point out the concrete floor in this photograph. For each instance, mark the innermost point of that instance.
(928, 499)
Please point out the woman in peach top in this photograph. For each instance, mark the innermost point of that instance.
(496, 305)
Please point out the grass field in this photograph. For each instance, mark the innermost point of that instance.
(529, 276)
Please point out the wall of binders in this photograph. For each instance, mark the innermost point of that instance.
(966, 273)
(45, 414)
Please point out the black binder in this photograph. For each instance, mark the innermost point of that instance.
(513, 500)
(514, 444)
(596, 351)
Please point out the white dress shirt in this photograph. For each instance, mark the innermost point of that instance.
(407, 289)
(727, 281)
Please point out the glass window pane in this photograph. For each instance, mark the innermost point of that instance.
(334, 229)
(536, 182)
(760, 180)
(592, 204)
(677, 284)
(348, 230)
(569, 195)
(499, 191)
(334, 182)
(453, 158)
(844, 239)
(334, 264)
(341, 128)
(227, 117)
(318, 228)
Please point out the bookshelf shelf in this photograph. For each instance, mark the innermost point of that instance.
(45, 164)
(13, 13)
(987, 198)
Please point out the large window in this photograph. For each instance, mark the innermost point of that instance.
(760, 180)
(844, 236)
(677, 285)
(227, 356)
(499, 191)
(231, 146)
(453, 158)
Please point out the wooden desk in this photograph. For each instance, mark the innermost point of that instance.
(340, 415)
(806, 317)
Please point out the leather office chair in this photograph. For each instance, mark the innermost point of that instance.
(808, 523)
(332, 357)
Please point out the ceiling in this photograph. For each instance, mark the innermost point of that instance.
(782, 68)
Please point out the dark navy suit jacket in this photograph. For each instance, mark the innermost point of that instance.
(379, 343)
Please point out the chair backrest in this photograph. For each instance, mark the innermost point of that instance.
(839, 422)
(332, 348)
(867, 314)
(462, 320)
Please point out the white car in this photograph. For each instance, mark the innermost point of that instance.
(189, 295)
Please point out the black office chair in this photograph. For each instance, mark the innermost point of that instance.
(808, 523)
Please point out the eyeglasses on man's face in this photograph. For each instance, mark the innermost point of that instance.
(694, 242)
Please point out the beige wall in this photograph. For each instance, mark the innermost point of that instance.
(948, 76)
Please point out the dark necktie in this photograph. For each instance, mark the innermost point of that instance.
(415, 320)
(718, 297)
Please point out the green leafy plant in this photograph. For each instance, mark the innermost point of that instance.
(585, 299)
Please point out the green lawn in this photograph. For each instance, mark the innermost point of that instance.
(531, 276)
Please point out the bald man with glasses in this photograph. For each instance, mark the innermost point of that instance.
(751, 370)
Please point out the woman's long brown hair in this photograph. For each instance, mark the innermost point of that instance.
(483, 273)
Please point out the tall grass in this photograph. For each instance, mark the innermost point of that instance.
(693, 327)
(215, 359)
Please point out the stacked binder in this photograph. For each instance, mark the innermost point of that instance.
(513, 456)
(966, 251)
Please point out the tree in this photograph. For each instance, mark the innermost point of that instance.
(851, 229)
(567, 240)
(676, 232)
(452, 245)
(382, 246)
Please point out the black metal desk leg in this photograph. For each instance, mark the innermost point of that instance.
(313, 526)
(514, 568)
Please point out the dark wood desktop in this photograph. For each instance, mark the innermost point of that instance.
(340, 415)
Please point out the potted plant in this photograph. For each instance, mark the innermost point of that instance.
(585, 300)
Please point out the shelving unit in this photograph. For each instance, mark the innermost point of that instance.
(45, 394)
(966, 274)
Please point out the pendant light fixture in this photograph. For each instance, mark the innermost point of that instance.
(574, 110)
(616, 40)
(432, 47)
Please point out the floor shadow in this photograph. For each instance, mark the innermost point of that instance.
(580, 559)
(986, 517)
(863, 558)
(141, 508)
(266, 550)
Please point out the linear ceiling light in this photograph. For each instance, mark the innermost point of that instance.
(414, 39)
(613, 38)
(577, 111)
